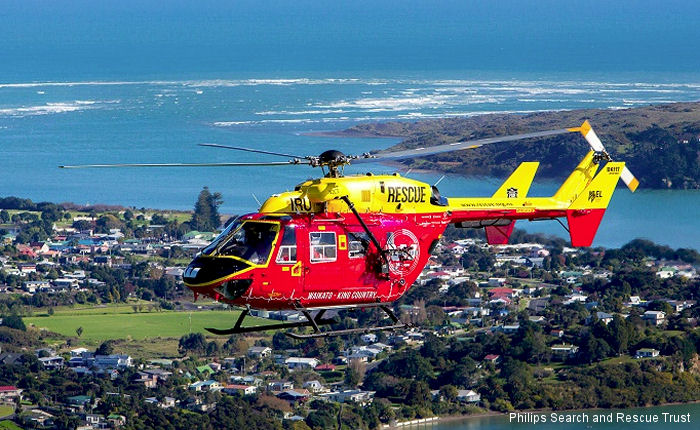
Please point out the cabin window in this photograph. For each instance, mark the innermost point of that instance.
(357, 248)
(288, 249)
(323, 246)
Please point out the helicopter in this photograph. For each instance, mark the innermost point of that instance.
(352, 242)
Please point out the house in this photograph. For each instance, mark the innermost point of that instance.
(325, 368)
(646, 352)
(148, 381)
(313, 386)
(296, 363)
(369, 338)
(666, 272)
(116, 421)
(159, 374)
(205, 369)
(78, 352)
(8, 393)
(557, 333)
(509, 329)
(259, 351)
(280, 385)
(537, 319)
(654, 317)
(243, 390)
(564, 351)
(53, 362)
(603, 317)
(294, 396)
(34, 286)
(468, 396)
(356, 396)
(208, 385)
(34, 418)
(93, 420)
(80, 402)
(497, 282)
(113, 361)
(492, 358)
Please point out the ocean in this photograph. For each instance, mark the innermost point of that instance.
(135, 82)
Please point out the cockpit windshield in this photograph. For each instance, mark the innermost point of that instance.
(220, 238)
(249, 240)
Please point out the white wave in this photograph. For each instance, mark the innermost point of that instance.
(48, 108)
(51, 108)
(644, 101)
(301, 112)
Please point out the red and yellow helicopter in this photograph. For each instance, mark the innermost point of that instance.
(340, 242)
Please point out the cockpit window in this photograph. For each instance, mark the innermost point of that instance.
(223, 235)
(251, 241)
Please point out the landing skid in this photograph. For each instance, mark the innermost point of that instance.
(313, 322)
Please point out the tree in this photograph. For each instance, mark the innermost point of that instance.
(106, 348)
(206, 211)
(14, 321)
(192, 342)
(355, 372)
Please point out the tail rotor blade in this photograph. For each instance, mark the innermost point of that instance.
(594, 141)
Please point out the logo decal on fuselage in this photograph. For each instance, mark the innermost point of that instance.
(592, 195)
(404, 251)
(405, 195)
(299, 205)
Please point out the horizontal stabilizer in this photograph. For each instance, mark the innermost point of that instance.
(499, 235)
(518, 183)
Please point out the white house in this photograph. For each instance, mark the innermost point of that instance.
(294, 363)
(646, 352)
(654, 317)
(468, 396)
(259, 351)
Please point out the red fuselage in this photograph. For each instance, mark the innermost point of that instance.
(315, 261)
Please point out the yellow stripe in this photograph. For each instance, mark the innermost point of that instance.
(633, 184)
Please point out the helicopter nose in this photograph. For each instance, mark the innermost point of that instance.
(207, 271)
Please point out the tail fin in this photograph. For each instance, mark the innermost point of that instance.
(579, 179)
(588, 207)
(518, 183)
(499, 234)
(516, 186)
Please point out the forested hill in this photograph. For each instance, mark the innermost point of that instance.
(659, 143)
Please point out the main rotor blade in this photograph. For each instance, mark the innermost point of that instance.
(260, 151)
(457, 146)
(272, 163)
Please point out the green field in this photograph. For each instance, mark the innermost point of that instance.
(9, 425)
(121, 322)
(6, 410)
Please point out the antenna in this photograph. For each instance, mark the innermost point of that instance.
(256, 199)
(439, 180)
